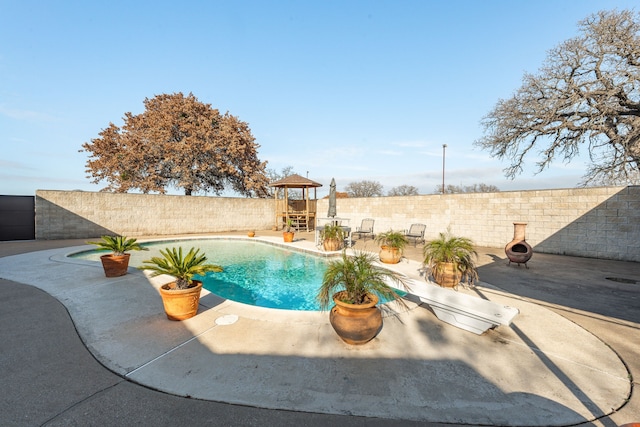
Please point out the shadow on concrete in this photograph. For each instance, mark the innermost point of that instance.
(574, 282)
(55, 381)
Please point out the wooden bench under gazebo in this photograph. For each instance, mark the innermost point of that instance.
(301, 212)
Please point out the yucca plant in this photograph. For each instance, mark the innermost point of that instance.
(448, 248)
(183, 268)
(358, 276)
(119, 245)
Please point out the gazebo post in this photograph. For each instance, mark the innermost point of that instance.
(286, 205)
(275, 196)
(307, 210)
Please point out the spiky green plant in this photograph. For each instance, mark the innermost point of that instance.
(288, 226)
(332, 231)
(183, 268)
(448, 248)
(358, 275)
(119, 245)
(393, 239)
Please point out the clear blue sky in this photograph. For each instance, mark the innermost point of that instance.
(348, 89)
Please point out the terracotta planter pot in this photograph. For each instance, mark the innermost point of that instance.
(180, 304)
(390, 255)
(251, 234)
(115, 265)
(355, 323)
(332, 244)
(518, 250)
(287, 236)
(446, 275)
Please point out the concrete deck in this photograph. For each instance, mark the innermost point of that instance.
(570, 356)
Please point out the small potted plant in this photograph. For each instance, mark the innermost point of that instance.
(182, 296)
(332, 236)
(116, 263)
(392, 244)
(354, 284)
(287, 234)
(451, 260)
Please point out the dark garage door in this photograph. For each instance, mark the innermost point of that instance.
(17, 218)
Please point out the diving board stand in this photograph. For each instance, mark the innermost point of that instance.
(464, 311)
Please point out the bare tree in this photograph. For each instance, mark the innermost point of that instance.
(586, 96)
(181, 142)
(364, 188)
(274, 175)
(474, 188)
(403, 190)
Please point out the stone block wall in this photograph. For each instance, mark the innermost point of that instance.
(77, 214)
(602, 222)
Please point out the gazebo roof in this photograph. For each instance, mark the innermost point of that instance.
(295, 181)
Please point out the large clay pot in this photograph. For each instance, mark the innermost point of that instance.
(332, 244)
(390, 255)
(356, 323)
(287, 236)
(180, 304)
(446, 275)
(115, 265)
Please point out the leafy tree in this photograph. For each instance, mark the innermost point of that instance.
(586, 96)
(474, 188)
(181, 142)
(364, 188)
(403, 190)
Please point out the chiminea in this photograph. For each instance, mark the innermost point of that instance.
(518, 250)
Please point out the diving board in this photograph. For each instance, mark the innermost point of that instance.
(464, 311)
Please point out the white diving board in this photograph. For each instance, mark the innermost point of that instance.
(464, 311)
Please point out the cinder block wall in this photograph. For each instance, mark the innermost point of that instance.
(77, 214)
(602, 222)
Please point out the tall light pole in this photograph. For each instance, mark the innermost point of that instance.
(444, 147)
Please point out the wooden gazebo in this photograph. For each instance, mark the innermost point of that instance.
(301, 212)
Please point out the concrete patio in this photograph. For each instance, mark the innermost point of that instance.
(570, 356)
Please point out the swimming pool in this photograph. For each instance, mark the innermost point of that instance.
(255, 272)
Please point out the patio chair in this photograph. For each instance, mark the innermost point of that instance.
(416, 233)
(365, 229)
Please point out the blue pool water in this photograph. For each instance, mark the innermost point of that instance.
(255, 273)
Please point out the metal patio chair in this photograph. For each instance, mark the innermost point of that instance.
(365, 229)
(416, 233)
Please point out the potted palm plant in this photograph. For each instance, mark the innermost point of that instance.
(354, 284)
(116, 263)
(287, 234)
(332, 236)
(451, 260)
(392, 244)
(182, 296)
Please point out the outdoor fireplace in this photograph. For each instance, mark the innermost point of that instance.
(518, 250)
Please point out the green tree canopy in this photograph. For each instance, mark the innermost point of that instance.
(585, 97)
(181, 142)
